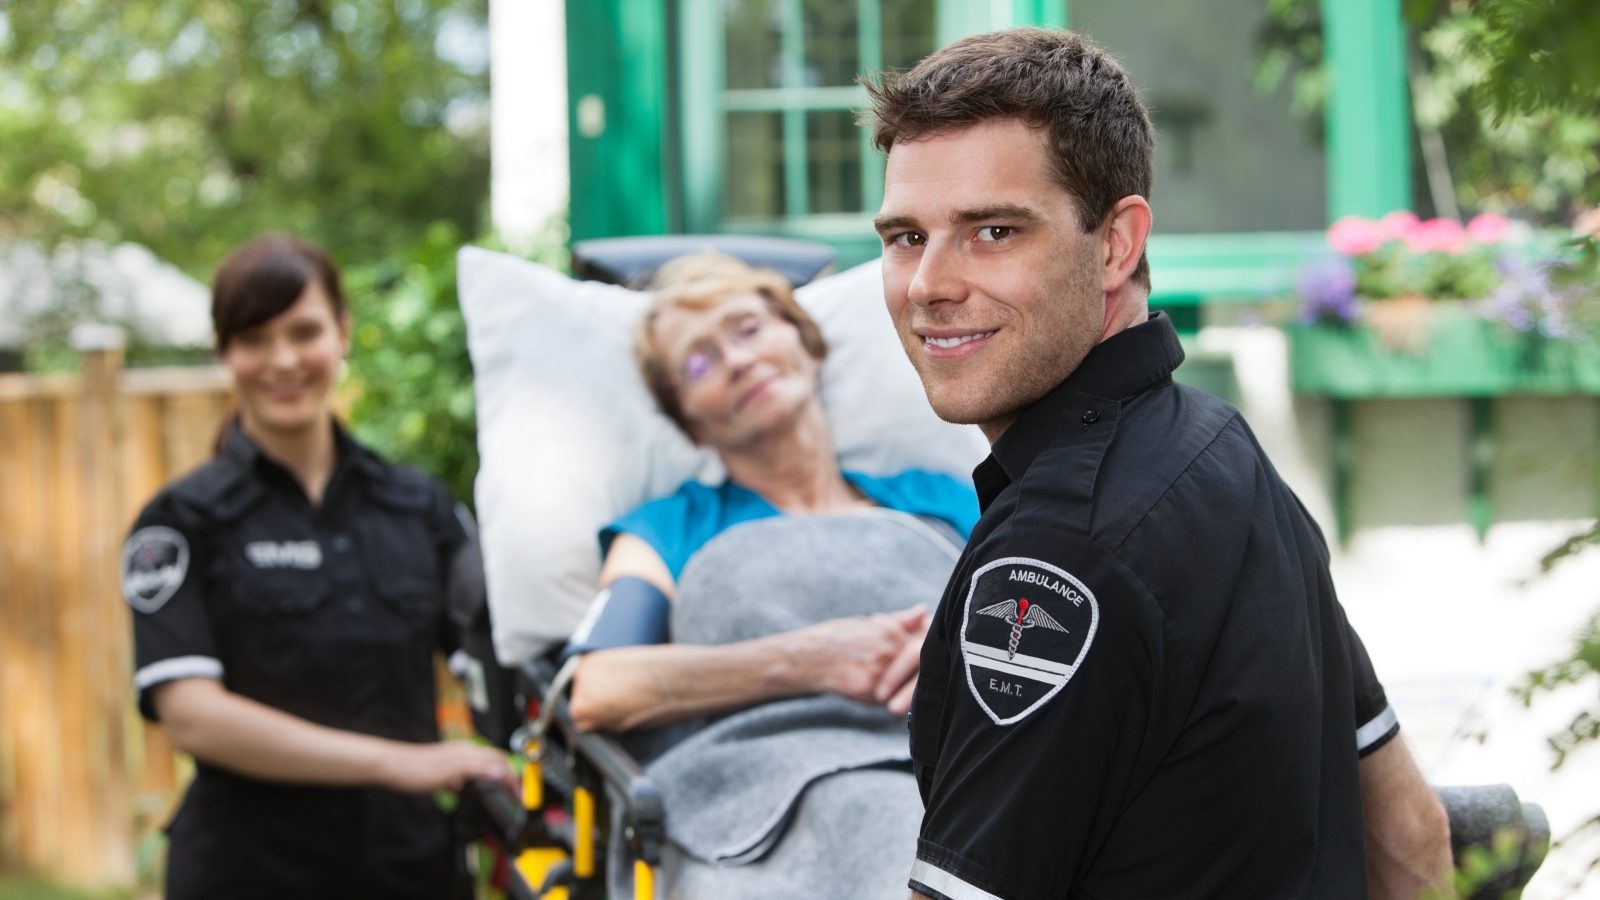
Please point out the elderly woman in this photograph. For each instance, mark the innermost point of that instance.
(800, 599)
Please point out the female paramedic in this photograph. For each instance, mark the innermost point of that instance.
(288, 598)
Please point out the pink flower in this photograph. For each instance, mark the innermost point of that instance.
(1400, 224)
(1354, 236)
(1437, 236)
(1488, 228)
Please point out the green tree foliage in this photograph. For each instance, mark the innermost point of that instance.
(410, 377)
(1509, 85)
(191, 125)
(1543, 55)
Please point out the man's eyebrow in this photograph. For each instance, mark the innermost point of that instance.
(889, 223)
(1004, 212)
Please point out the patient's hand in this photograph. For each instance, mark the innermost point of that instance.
(850, 656)
(899, 679)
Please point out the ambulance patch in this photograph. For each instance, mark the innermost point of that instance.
(154, 563)
(1026, 628)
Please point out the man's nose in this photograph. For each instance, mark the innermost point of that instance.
(938, 276)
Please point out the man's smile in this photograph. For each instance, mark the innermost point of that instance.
(949, 344)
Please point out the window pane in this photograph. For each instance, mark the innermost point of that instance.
(833, 161)
(754, 40)
(1227, 158)
(832, 54)
(754, 165)
(907, 32)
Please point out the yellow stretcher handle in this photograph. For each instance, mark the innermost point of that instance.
(582, 833)
(532, 779)
(644, 881)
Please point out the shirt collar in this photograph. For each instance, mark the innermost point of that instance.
(1128, 362)
(243, 452)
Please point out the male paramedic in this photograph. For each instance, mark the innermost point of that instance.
(1139, 683)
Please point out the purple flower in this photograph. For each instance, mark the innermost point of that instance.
(1527, 301)
(1327, 290)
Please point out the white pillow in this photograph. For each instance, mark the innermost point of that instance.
(569, 438)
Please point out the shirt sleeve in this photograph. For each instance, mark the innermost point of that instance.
(161, 573)
(1041, 692)
(1376, 723)
(459, 559)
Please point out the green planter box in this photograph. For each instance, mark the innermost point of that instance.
(1466, 356)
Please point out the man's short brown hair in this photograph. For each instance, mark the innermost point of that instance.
(1058, 81)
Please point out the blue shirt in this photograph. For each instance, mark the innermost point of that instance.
(678, 525)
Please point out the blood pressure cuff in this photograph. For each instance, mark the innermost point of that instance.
(630, 613)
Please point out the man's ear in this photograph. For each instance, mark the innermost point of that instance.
(1122, 240)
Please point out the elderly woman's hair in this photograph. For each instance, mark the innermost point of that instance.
(698, 281)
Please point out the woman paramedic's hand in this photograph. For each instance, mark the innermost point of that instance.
(900, 678)
(446, 766)
(849, 656)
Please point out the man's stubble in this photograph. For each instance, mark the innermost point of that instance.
(1035, 358)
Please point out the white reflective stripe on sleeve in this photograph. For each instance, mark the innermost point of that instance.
(1377, 728)
(930, 875)
(175, 668)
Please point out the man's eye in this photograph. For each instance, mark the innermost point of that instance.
(992, 233)
(910, 239)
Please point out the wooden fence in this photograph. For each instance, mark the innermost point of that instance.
(79, 455)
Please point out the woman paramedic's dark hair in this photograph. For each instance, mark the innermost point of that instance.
(257, 282)
(264, 277)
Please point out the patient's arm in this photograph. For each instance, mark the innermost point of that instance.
(636, 687)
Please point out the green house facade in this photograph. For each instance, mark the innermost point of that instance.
(737, 116)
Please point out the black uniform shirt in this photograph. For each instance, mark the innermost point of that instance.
(1139, 682)
(330, 613)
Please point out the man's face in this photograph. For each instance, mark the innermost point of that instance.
(993, 285)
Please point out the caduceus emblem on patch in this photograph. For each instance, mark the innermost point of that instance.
(1025, 630)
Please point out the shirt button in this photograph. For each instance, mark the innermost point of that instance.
(340, 544)
(355, 606)
(1091, 417)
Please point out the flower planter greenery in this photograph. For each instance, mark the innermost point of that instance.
(1464, 355)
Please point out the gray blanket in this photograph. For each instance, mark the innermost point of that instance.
(811, 796)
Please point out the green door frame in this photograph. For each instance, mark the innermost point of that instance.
(618, 103)
(1369, 118)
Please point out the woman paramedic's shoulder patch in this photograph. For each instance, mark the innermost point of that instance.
(1026, 628)
(154, 563)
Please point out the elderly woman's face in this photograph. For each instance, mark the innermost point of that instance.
(739, 368)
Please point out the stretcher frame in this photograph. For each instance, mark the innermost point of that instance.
(576, 787)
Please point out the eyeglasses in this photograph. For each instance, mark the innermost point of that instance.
(708, 355)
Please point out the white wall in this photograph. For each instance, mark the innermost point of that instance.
(528, 118)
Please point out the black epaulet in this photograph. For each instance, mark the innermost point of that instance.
(400, 488)
(220, 490)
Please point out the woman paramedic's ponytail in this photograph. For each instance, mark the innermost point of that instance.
(261, 279)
